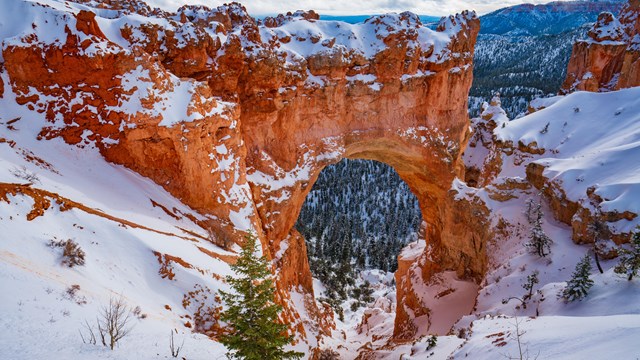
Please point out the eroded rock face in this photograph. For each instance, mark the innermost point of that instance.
(610, 58)
(580, 216)
(260, 110)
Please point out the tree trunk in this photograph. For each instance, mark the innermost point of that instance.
(595, 254)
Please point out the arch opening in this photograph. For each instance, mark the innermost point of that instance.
(446, 247)
(356, 219)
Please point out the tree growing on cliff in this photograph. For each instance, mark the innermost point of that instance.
(629, 263)
(252, 315)
(580, 283)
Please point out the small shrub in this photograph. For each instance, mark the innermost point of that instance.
(72, 294)
(328, 354)
(113, 324)
(529, 285)
(26, 175)
(545, 129)
(137, 312)
(175, 350)
(72, 254)
(539, 242)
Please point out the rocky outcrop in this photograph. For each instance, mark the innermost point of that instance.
(610, 58)
(579, 215)
(482, 160)
(1, 82)
(237, 117)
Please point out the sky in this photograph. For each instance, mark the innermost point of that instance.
(355, 7)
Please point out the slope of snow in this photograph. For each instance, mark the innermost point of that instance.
(591, 140)
(120, 261)
(126, 227)
(554, 337)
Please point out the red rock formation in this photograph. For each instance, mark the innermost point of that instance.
(1, 83)
(300, 100)
(576, 214)
(610, 59)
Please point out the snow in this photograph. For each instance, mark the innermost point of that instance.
(172, 99)
(120, 255)
(555, 337)
(365, 38)
(418, 74)
(590, 142)
(413, 250)
(119, 260)
(603, 31)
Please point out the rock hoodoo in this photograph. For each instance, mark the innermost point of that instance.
(610, 58)
(237, 117)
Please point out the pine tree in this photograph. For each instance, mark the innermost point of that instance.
(580, 283)
(629, 263)
(252, 314)
(539, 241)
(598, 228)
(532, 280)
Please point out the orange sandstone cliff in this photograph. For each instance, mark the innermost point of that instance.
(610, 58)
(237, 117)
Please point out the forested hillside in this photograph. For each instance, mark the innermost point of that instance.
(522, 51)
(520, 68)
(359, 215)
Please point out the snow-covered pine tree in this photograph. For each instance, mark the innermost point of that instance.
(252, 314)
(629, 263)
(578, 286)
(539, 241)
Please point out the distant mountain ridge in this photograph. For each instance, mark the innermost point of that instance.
(354, 19)
(545, 19)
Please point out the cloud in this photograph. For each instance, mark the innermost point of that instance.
(351, 7)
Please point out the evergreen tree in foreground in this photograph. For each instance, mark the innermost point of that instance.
(630, 259)
(580, 283)
(252, 314)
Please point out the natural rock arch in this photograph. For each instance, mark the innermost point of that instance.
(264, 117)
(416, 124)
(425, 158)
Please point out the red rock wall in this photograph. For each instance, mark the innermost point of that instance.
(251, 164)
(610, 58)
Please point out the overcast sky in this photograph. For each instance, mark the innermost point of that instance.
(355, 7)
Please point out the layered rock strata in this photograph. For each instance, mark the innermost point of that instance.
(237, 117)
(610, 58)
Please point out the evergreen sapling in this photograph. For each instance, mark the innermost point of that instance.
(578, 286)
(539, 241)
(629, 263)
(252, 315)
